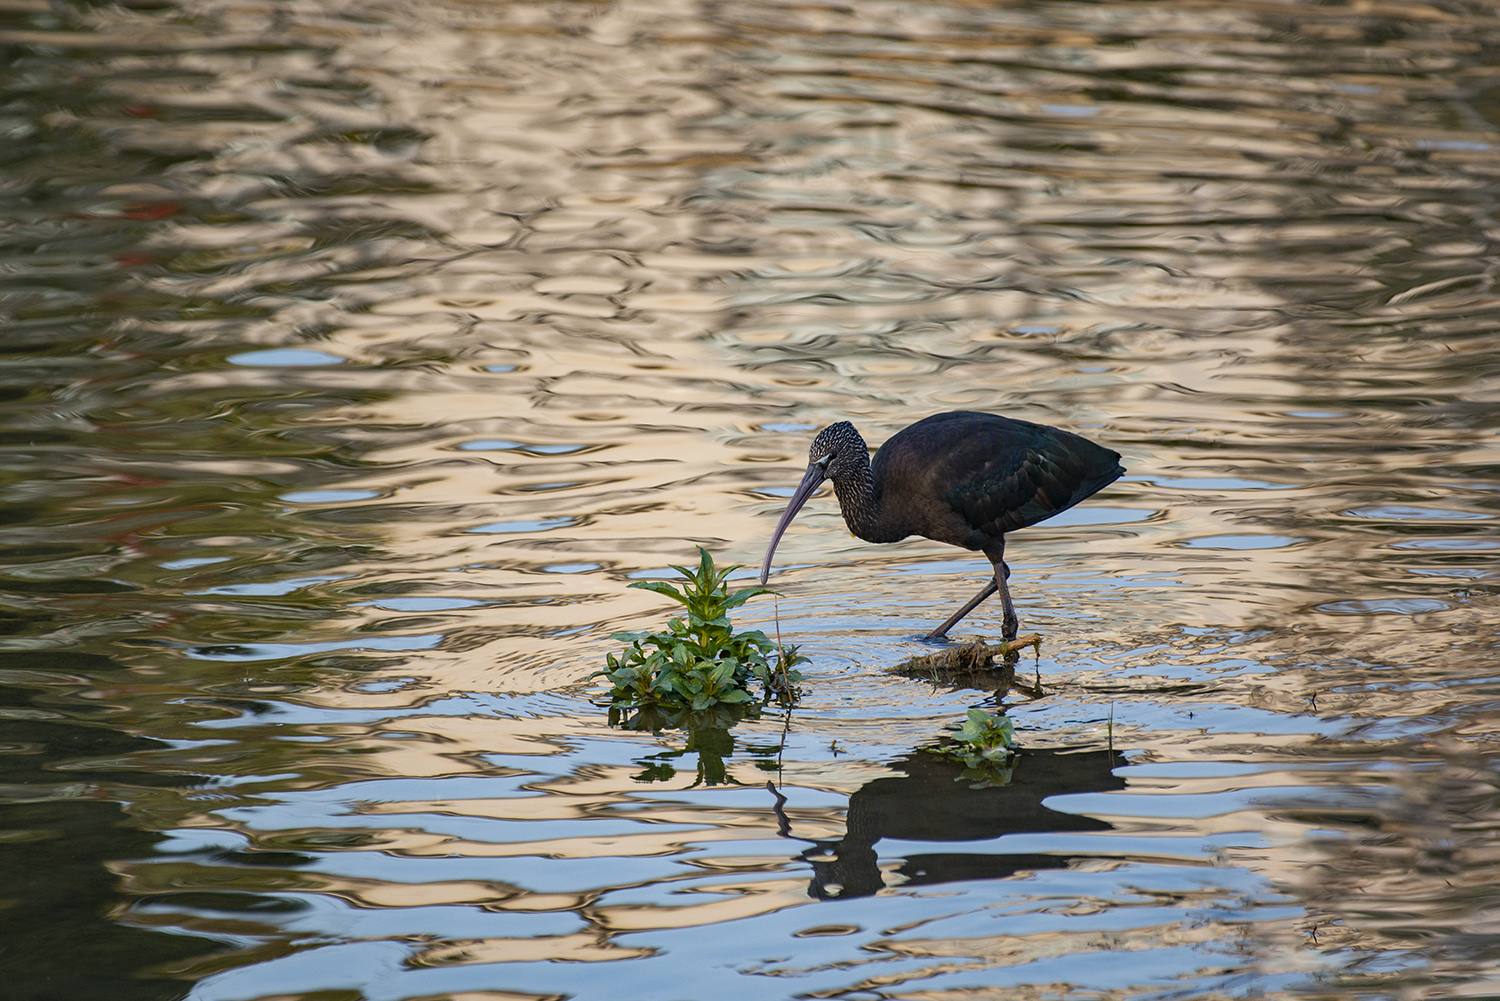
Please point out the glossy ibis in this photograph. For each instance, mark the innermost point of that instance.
(964, 478)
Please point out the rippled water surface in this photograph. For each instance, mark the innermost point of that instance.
(357, 354)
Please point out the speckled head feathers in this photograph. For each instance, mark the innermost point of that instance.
(843, 443)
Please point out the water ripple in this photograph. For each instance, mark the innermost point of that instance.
(356, 361)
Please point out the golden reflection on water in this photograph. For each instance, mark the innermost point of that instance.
(397, 341)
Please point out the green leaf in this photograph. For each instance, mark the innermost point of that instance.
(743, 595)
(662, 588)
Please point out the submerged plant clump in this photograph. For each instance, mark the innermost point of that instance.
(699, 663)
(985, 745)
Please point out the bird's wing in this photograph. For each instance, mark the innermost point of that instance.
(1016, 488)
(1002, 486)
(967, 478)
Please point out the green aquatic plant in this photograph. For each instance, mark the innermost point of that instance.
(699, 662)
(985, 745)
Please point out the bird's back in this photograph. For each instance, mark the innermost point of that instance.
(966, 478)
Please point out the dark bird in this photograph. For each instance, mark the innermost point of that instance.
(963, 478)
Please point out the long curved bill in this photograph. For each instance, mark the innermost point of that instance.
(811, 480)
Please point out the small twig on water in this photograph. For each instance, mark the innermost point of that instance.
(784, 657)
(786, 720)
(973, 655)
(780, 646)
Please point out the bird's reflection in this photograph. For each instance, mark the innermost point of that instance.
(925, 803)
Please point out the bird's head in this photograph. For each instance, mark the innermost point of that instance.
(838, 449)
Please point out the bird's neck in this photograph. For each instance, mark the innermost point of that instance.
(859, 500)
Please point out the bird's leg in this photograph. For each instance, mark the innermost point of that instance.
(941, 631)
(1010, 625)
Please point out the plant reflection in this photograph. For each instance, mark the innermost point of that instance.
(708, 735)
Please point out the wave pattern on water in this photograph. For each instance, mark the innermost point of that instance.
(359, 354)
